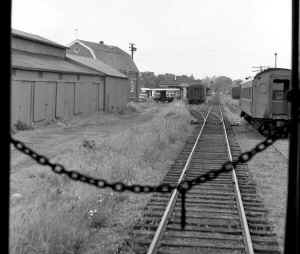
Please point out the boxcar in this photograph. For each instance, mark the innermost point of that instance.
(263, 100)
(196, 94)
(235, 92)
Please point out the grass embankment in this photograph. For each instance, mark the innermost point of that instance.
(52, 214)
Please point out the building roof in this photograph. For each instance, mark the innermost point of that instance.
(246, 84)
(96, 65)
(111, 55)
(159, 89)
(173, 83)
(168, 82)
(30, 61)
(36, 38)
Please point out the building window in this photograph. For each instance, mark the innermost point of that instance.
(78, 77)
(60, 76)
(76, 50)
(13, 72)
(40, 74)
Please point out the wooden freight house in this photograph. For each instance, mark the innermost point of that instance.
(116, 84)
(112, 56)
(46, 85)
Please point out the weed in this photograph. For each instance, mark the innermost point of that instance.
(63, 216)
(21, 126)
(89, 145)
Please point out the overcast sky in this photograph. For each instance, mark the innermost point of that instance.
(199, 37)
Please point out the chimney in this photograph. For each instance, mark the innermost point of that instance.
(101, 42)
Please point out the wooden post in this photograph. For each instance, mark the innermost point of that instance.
(292, 230)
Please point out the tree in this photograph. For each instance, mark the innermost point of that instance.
(237, 82)
(148, 79)
(222, 84)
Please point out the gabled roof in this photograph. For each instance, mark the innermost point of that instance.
(29, 61)
(111, 55)
(246, 84)
(96, 65)
(36, 38)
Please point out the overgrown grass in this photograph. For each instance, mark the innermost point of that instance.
(21, 126)
(57, 215)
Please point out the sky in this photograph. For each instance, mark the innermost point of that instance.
(198, 37)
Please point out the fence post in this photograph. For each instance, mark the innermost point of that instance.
(292, 230)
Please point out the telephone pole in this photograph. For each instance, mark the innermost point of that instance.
(292, 224)
(275, 59)
(132, 49)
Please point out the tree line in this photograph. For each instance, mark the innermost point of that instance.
(216, 83)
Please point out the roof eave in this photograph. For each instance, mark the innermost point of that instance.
(40, 41)
(51, 70)
(86, 66)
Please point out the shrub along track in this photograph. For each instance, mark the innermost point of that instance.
(213, 217)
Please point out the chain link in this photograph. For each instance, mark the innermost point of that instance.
(184, 186)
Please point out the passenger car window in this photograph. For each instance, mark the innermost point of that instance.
(278, 95)
(280, 88)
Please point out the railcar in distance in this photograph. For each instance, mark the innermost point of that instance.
(236, 92)
(196, 94)
(263, 100)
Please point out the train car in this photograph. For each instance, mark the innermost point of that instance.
(263, 100)
(196, 94)
(235, 92)
(208, 91)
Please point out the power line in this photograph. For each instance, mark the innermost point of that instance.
(260, 68)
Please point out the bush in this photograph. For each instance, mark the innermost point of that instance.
(21, 126)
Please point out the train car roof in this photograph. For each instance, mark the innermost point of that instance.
(269, 70)
(246, 84)
(195, 84)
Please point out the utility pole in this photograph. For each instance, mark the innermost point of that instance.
(292, 226)
(132, 49)
(275, 59)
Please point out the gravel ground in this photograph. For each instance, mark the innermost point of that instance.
(269, 168)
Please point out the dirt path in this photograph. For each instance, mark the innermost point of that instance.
(269, 168)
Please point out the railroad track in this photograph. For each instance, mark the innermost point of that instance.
(222, 216)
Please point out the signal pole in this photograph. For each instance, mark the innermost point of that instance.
(132, 49)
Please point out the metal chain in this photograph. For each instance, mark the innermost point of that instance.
(280, 132)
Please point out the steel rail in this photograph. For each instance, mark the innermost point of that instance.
(246, 232)
(161, 227)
